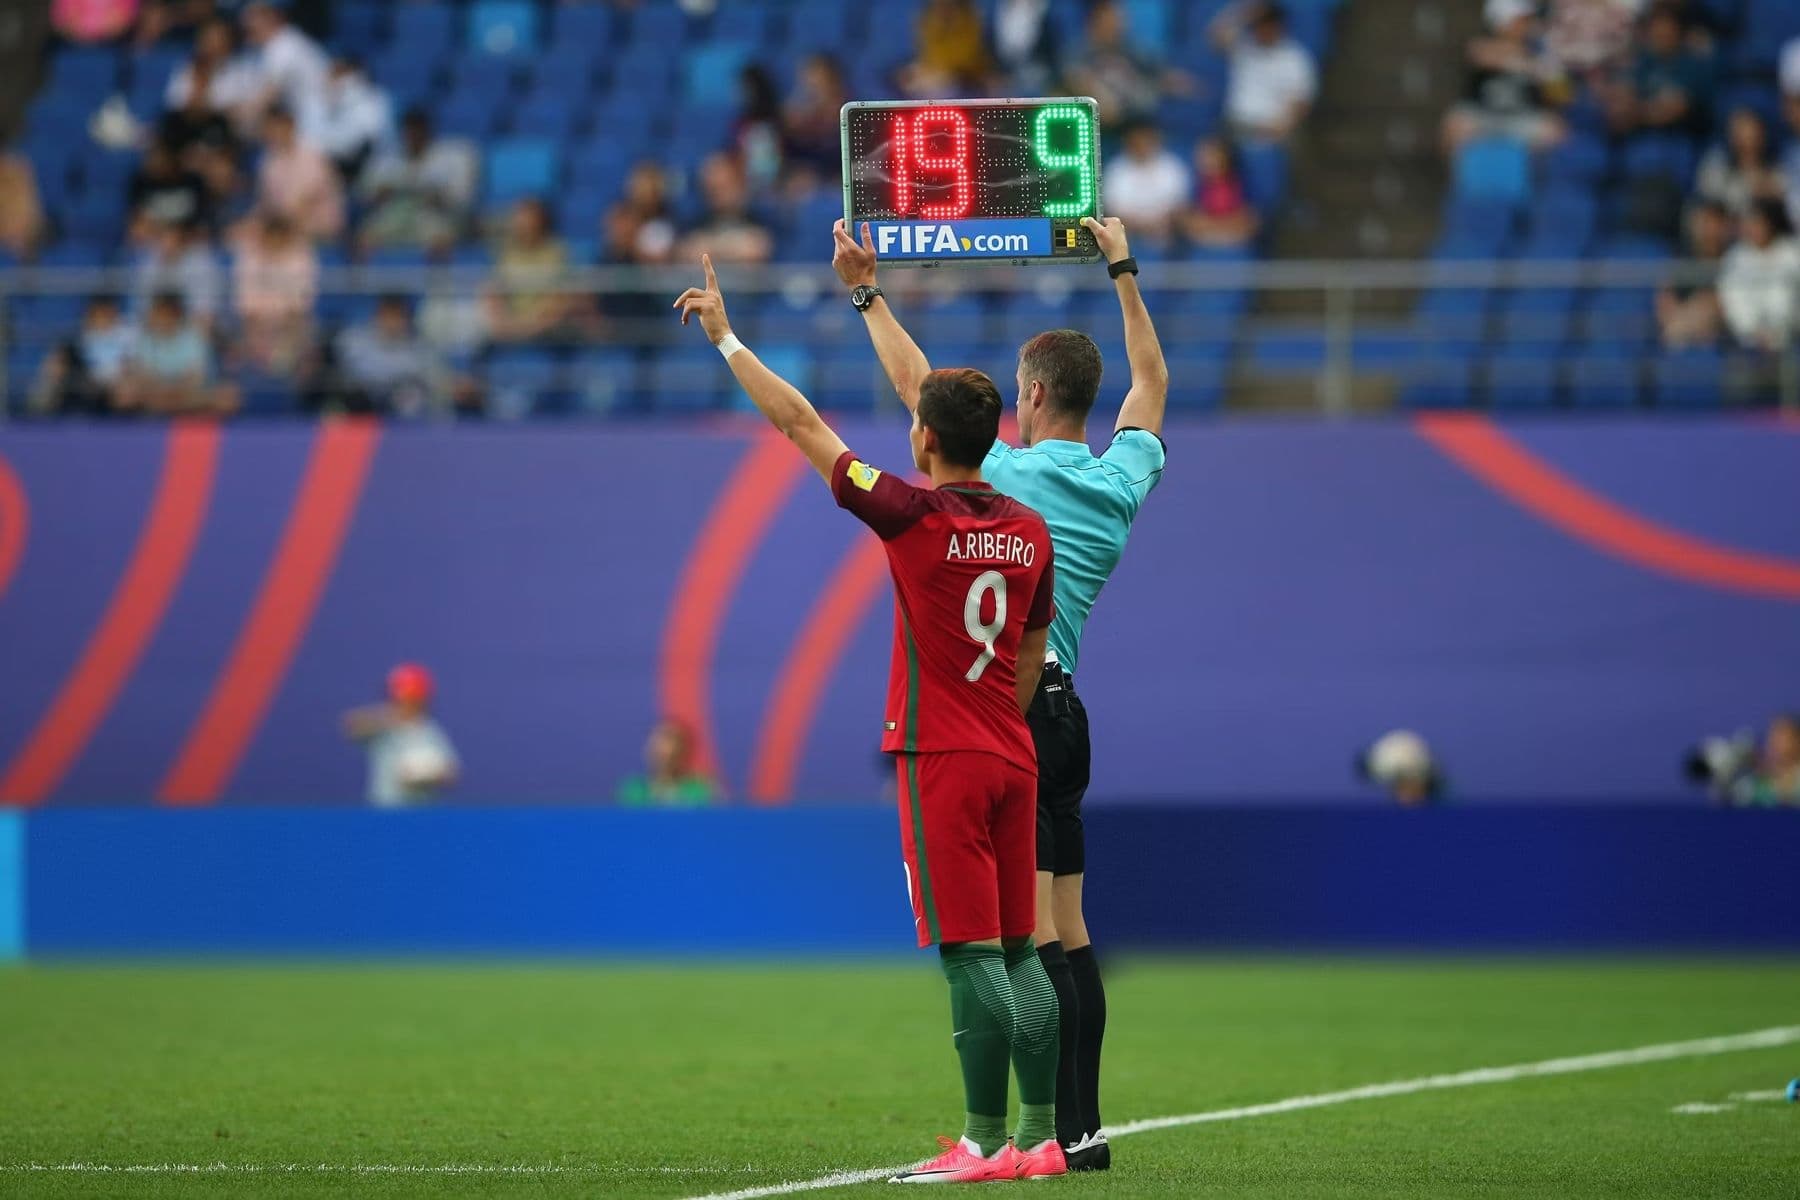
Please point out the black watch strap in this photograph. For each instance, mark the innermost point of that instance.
(1125, 266)
(864, 295)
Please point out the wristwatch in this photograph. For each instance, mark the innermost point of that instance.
(863, 295)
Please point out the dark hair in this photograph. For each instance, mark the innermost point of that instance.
(762, 100)
(962, 406)
(1275, 14)
(1067, 363)
(279, 112)
(1775, 213)
(1762, 127)
(170, 300)
(102, 300)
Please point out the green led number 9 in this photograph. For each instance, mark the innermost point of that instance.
(1080, 159)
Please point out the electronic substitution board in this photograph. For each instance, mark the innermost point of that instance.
(944, 182)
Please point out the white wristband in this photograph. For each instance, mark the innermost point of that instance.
(729, 345)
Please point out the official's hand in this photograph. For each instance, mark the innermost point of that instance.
(707, 304)
(1110, 236)
(854, 264)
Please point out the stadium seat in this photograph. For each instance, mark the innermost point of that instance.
(503, 27)
(1196, 382)
(469, 116)
(1265, 174)
(482, 77)
(1497, 169)
(86, 73)
(567, 71)
(657, 29)
(603, 381)
(1537, 317)
(1150, 22)
(686, 379)
(1437, 382)
(360, 26)
(851, 384)
(710, 73)
(424, 28)
(1659, 155)
(546, 114)
(407, 73)
(1604, 381)
(589, 26)
(747, 24)
(522, 381)
(519, 167)
(1288, 351)
(1582, 158)
(1688, 379)
(819, 25)
(1521, 380)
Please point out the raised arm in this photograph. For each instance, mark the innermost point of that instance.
(1149, 395)
(774, 397)
(900, 356)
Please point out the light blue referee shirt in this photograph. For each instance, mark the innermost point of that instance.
(1089, 504)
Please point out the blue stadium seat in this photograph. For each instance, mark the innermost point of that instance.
(815, 25)
(96, 215)
(645, 78)
(1564, 216)
(520, 167)
(1582, 158)
(546, 115)
(106, 170)
(1537, 318)
(1604, 381)
(79, 252)
(411, 77)
(599, 164)
(1196, 382)
(579, 209)
(1287, 351)
(851, 383)
(484, 77)
(360, 26)
(686, 379)
(1477, 223)
(657, 29)
(503, 27)
(1438, 382)
(1622, 319)
(87, 73)
(1521, 380)
(744, 23)
(1658, 155)
(1496, 169)
(425, 29)
(1150, 22)
(566, 70)
(709, 73)
(522, 380)
(1265, 174)
(1688, 379)
(589, 26)
(466, 115)
(603, 380)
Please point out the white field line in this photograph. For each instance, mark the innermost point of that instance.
(227, 1168)
(1776, 1094)
(1701, 1107)
(1761, 1039)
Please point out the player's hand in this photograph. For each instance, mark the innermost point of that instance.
(707, 304)
(1110, 236)
(854, 264)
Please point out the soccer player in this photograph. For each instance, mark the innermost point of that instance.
(972, 590)
(1089, 502)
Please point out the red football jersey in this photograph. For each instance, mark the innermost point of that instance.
(972, 573)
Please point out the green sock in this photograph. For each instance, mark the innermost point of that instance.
(1033, 1045)
(981, 1012)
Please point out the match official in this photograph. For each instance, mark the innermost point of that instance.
(1089, 503)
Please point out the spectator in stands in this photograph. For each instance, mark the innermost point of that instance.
(21, 211)
(1148, 186)
(178, 257)
(1125, 79)
(1687, 311)
(215, 80)
(951, 59)
(670, 779)
(1026, 48)
(411, 758)
(727, 229)
(82, 375)
(1670, 88)
(810, 121)
(351, 118)
(1758, 280)
(756, 133)
(169, 368)
(1591, 36)
(92, 20)
(386, 366)
(1221, 215)
(164, 192)
(1790, 158)
(420, 194)
(291, 70)
(1272, 81)
(1777, 778)
(1511, 83)
(1741, 172)
(275, 281)
(528, 301)
(297, 182)
(1789, 70)
(640, 228)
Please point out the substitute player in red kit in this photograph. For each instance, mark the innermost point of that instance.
(972, 590)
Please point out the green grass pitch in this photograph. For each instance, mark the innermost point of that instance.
(680, 1081)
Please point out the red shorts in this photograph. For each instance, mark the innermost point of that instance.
(968, 827)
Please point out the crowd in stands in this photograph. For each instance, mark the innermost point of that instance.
(1654, 128)
(250, 159)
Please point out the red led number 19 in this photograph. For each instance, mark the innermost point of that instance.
(912, 153)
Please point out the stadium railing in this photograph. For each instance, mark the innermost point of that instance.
(1326, 336)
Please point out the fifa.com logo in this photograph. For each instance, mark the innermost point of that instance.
(943, 239)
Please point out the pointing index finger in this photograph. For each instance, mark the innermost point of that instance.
(712, 280)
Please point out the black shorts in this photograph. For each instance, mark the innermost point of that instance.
(1059, 727)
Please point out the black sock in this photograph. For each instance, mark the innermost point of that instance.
(1091, 995)
(1070, 1123)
